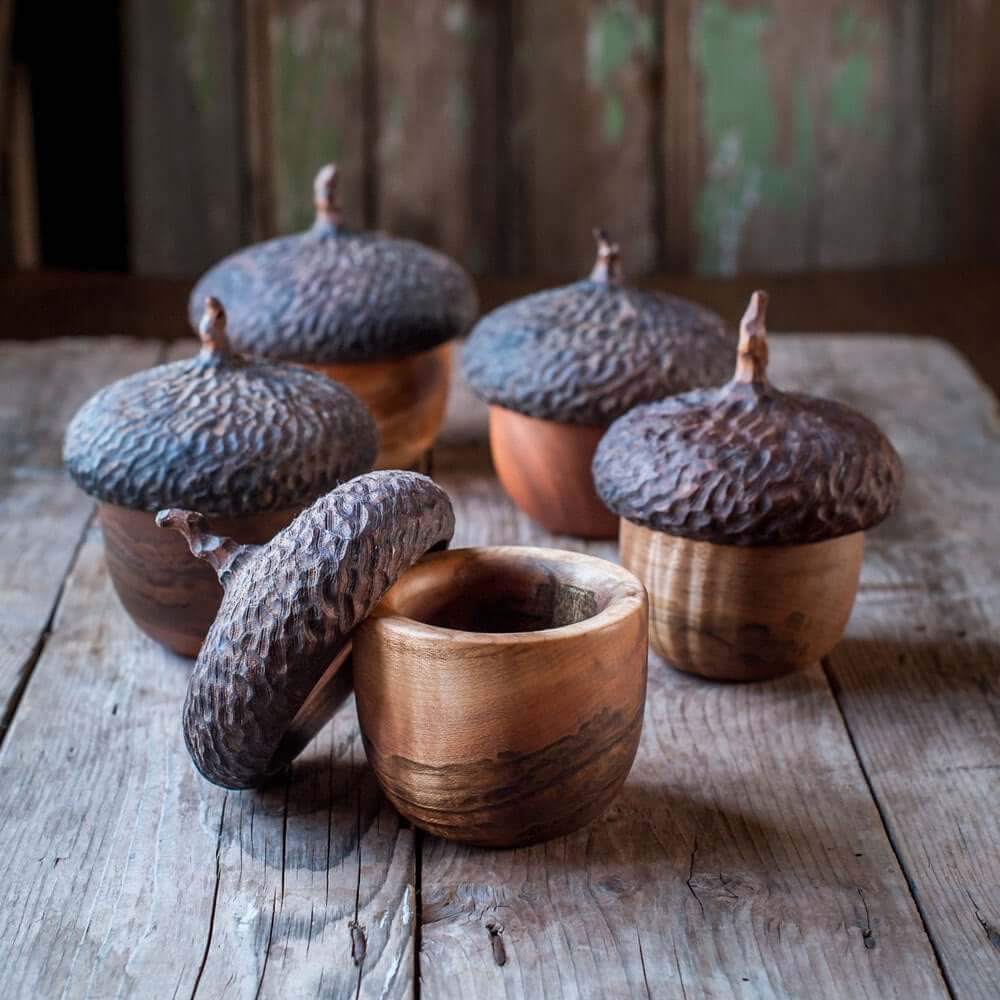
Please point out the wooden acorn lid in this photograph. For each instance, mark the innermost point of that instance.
(587, 352)
(333, 294)
(747, 464)
(219, 432)
(288, 611)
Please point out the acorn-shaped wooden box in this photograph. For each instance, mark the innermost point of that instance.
(248, 442)
(500, 691)
(372, 311)
(743, 511)
(559, 366)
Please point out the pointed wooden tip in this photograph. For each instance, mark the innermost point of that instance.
(212, 328)
(325, 193)
(752, 354)
(218, 551)
(607, 267)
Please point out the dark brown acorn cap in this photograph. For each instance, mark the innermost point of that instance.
(587, 352)
(747, 464)
(333, 294)
(222, 433)
(287, 615)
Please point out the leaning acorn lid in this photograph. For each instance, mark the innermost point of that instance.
(334, 294)
(269, 672)
(747, 464)
(219, 432)
(586, 353)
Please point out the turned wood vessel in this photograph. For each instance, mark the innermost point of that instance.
(374, 311)
(743, 512)
(558, 367)
(270, 672)
(249, 442)
(407, 397)
(501, 690)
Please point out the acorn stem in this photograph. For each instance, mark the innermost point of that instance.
(608, 266)
(325, 195)
(212, 330)
(220, 552)
(751, 355)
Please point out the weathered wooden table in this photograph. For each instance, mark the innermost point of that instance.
(834, 834)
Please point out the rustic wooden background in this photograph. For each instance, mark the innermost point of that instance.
(710, 135)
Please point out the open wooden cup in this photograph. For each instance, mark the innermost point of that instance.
(501, 690)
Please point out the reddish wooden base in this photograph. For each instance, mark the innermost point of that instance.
(406, 396)
(545, 468)
(169, 593)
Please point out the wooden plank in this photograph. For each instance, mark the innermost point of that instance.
(917, 675)
(791, 144)
(306, 74)
(185, 133)
(745, 855)
(967, 90)
(584, 119)
(436, 64)
(124, 873)
(42, 514)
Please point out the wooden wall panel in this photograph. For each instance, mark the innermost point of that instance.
(435, 149)
(584, 133)
(187, 189)
(968, 92)
(306, 99)
(722, 136)
(809, 142)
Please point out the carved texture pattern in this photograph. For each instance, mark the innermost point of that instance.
(334, 295)
(748, 465)
(223, 435)
(588, 352)
(290, 605)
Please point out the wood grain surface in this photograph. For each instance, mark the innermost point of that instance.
(500, 691)
(406, 396)
(716, 135)
(743, 613)
(832, 833)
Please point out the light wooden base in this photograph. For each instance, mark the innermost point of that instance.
(508, 736)
(730, 612)
(406, 396)
(545, 468)
(169, 593)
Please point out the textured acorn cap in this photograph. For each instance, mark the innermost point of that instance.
(747, 464)
(333, 294)
(288, 612)
(220, 432)
(586, 353)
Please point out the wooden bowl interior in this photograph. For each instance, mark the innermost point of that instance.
(503, 591)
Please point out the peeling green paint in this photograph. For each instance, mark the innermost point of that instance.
(740, 125)
(851, 81)
(847, 25)
(196, 31)
(309, 58)
(617, 33)
(848, 89)
(614, 119)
